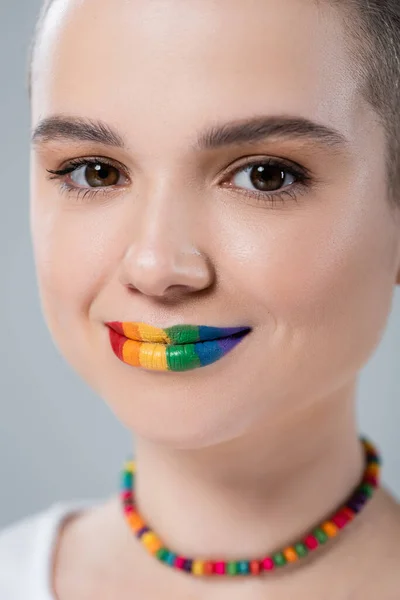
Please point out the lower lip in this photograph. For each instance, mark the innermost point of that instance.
(179, 357)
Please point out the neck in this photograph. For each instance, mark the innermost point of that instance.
(252, 496)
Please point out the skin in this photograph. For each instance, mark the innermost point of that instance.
(239, 447)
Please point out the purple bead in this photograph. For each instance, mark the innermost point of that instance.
(355, 506)
(187, 565)
(360, 497)
(142, 531)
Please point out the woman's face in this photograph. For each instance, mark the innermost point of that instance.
(173, 227)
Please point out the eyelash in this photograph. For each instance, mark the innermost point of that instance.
(300, 186)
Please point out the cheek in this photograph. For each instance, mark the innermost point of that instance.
(321, 278)
(73, 256)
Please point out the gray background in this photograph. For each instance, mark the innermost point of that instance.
(58, 441)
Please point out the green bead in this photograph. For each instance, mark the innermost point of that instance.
(244, 566)
(367, 489)
(232, 568)
(162, 553)
(301, 550)
(279, 559)
(320, 535)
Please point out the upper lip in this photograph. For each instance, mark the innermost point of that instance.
(185, 333)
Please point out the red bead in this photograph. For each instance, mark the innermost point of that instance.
(179, 562)
(219, 568)
(371, 480)
(311, 542)
(349, 513)
(208, 567)
(128, 509)
(340, 519)
(126, 495)
(267, 564)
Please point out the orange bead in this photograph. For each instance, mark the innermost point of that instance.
(208, 567)
(255, 567)
(330, 528)
(372, 469)
(290, 554)
(135, 521)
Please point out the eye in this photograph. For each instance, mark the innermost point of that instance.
(266, 176)
(267, 179)
(97, 175)
(89, 173)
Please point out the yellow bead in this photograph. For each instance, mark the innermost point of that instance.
(329, 528)
(148, 536)
(369, 446)
(151, 541)
(198, 567)
(130, 466)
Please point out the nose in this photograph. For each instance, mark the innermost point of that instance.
(163, 256)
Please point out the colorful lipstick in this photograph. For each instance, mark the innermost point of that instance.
(176, 348)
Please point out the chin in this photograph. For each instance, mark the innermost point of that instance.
(178, 415)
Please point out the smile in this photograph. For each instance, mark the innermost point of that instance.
(176, 348)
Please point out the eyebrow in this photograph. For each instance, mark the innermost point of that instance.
(64, 129)
(242, 131)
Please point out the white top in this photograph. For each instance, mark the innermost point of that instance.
(27, 550)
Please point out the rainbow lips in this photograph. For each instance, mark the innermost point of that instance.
(176, 348)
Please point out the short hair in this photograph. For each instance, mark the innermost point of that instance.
(373, 33)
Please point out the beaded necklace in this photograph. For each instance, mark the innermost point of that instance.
(301, 548)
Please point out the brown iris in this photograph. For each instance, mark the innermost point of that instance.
(100, 175)
(267, 178)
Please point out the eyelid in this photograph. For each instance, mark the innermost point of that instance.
(73, 164)
(303, 174)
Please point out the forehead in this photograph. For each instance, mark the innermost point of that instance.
(135, 62)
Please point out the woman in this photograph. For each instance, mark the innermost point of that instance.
(200, 166)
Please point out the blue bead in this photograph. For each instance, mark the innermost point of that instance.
(127, 480)
(170, 559)
(243, 566)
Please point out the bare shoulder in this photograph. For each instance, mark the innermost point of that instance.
(98, 557)
(84, 552)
